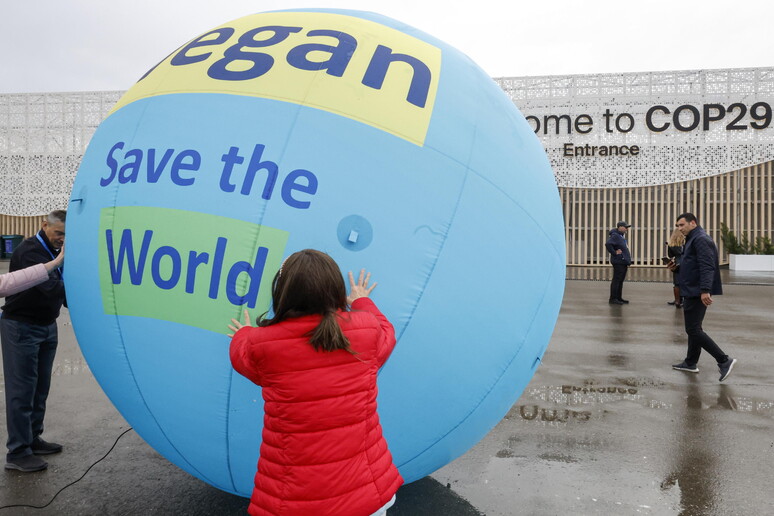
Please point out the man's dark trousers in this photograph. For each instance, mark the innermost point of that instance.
(693, 312)
(28, 358)
(619, 275)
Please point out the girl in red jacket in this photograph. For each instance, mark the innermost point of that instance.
(322, 452)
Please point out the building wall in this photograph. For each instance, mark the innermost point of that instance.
(721, 170)
(685, 124)
(25, 226)
(741, 199)
(43, 137)
(704, 142)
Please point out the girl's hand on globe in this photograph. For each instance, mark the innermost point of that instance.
(235, 325)
(361, 288)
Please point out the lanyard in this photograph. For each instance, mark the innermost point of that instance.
(45, 246)
(43, 243)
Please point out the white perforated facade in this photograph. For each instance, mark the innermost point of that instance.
(43, 136)
(665, 156)
(42, 139)
(715, 158)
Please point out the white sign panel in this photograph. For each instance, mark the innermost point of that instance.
(639, 129)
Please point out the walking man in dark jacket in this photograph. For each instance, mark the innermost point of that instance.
(620, 258)
(699, 277)
(28, 334)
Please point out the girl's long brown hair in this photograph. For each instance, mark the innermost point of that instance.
(310, 282)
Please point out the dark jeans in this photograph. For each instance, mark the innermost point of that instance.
(28, 357)
(619, 275)
(693, 312)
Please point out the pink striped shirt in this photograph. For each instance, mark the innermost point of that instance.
(23, 279)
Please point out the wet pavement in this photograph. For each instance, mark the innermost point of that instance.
(663, 275)
(605, 427)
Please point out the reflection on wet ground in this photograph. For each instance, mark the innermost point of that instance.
(618, 360)
(590, 395)
(607, 427)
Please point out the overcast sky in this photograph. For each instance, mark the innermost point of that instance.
(86, 45)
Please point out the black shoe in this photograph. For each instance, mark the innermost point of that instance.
(624, 301)
(684, 366)
(725, 368)
(27, 464)
(672, 303)
(615, 302)
(41, 447)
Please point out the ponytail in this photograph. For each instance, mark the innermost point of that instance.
(328, 335)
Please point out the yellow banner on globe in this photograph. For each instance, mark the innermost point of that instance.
(345, 65)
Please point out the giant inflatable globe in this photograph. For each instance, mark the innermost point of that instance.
(342, 131)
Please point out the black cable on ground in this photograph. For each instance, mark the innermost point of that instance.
(71, 483)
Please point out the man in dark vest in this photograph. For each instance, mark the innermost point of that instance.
(28, 334)
(699, 278)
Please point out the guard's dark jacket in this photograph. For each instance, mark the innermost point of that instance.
(699, 266)
(41, 303)
(617, 241)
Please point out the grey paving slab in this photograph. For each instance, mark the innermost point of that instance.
(604, 427)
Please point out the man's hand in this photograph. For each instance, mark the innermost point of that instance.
(618, 251)
(706, 298)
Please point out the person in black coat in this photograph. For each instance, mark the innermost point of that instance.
(698, 276)
(28, 337)
(620, 258)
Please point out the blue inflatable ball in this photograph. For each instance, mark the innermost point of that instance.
(342, 131)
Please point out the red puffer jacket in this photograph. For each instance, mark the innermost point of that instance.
(323, 451)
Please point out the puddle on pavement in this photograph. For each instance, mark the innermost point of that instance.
(558, 457)
(555, 405)
(618, 360)
(641, 381)
(568, 404)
